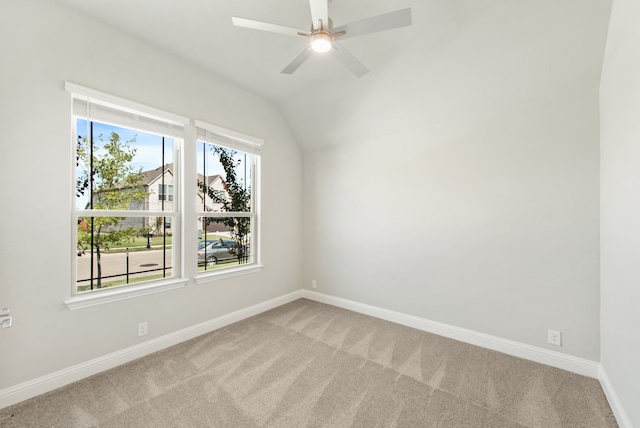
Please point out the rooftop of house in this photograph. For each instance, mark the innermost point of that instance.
(152, 175)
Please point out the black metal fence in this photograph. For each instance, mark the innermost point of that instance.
(127, 274)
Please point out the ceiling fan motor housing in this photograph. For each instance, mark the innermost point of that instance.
(321, 41)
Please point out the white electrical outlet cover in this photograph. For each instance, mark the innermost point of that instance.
(555, 337)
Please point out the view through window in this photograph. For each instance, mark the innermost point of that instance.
(226, 214)
(128, 224)
(125, 205)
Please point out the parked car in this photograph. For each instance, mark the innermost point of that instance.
(213, 251)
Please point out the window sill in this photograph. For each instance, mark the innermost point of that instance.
(101, 297)
(227, 273)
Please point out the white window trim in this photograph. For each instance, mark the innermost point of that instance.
(187, 131)
(132, 112)
(125, 213)
(124, 105)
(209, 276)
(114, 294)
(234, 140)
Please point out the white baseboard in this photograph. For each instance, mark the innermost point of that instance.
(43, 384)
(544, 356)
(614, 402)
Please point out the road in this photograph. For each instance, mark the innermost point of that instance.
(116, 264)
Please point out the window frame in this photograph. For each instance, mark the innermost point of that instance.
(184, 215)
(111, 110)
(216, 135)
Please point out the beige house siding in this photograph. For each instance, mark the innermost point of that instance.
(153, 202)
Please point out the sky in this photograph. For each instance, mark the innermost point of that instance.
(148, 154)
(148, 146)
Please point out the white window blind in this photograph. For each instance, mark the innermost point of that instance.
(227, 138)
(101, 107)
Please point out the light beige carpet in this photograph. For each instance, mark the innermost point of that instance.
(306, 364)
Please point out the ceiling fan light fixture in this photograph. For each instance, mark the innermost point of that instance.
(321, 41)
(324, 37)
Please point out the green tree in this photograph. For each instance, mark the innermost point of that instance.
(238, 200)
(114, 184)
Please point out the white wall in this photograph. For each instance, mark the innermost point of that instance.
(620, 213)
(459, 182)
(44, 45)
(489, 222)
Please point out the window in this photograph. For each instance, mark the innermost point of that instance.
(165, 192)
(228, 195)
(123, 153)
(218, 194)
(129, 191)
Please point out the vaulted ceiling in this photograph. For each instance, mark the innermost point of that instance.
(458, 58)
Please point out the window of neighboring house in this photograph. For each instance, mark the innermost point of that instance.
(228, 186)
(219, 194)
(165, 192)
(123, 236)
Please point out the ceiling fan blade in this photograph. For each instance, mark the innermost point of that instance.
(350, 61)
(387, 21)
(297, 61)
(265, 26)
(319, 12)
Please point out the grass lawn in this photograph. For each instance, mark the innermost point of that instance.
(139, 243)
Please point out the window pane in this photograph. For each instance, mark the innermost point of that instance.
(225, 242)
(115, 251)
(165, 192)
(224, 179)
(131, 170)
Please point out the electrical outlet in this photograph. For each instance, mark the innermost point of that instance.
(143, 329)
(555, 337)
(5, 318)
(314, 283)
(6, 321)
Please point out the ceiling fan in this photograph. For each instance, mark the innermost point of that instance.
(322, 37)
